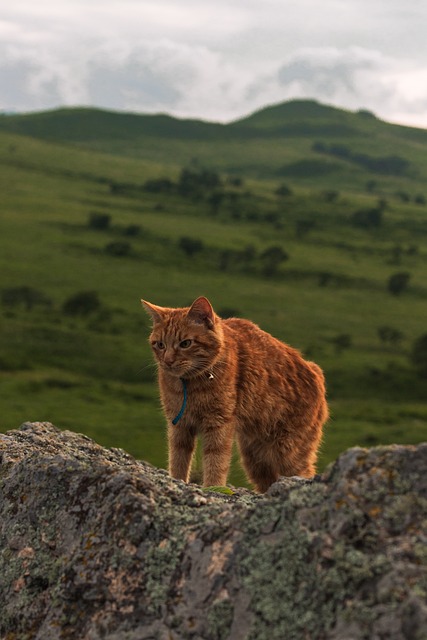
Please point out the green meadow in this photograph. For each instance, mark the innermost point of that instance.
(308, 220)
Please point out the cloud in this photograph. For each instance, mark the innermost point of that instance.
(334, 74)
(352, 78)
(216, 61)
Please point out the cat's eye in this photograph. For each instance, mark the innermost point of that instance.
(185, 344)
(160, 345)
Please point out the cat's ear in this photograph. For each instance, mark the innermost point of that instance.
(201, 312)
(155, 312)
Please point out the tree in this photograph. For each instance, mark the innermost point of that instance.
(118, 248)
(368, 218)
(330, 195)
(390, 335)
(99, 221)
(303, 227)
(215, 200)
(159, 185)
(283, 191)
(371, 186)
(132, 230)
(190, 246)
(342, 341)
(272, 258)
(25, 296)
(398, 282)
(82, 304)
(195, 182)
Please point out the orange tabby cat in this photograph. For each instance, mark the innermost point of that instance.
(225, 378)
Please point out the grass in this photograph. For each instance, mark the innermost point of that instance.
(95, 374)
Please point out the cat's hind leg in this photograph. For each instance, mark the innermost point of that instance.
(260, 470)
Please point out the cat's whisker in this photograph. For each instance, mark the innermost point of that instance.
(151, 365)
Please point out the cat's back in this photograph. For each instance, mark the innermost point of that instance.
(261, 354)
(248, 336)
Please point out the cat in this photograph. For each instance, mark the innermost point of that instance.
(222, 379)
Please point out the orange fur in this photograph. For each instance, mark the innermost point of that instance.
(241, 382)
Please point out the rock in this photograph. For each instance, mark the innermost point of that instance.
(95, 544)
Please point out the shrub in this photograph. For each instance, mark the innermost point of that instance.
(99, 221)
(403, 196)
(341, 341)
(118, 248)
(82, 304)
(25, 296)
(390, 335)
(190, 246)
(195, 182)
(271, 258)
(371, 186)
(303, 227)
(398, 282)
(283, 191)
(160, 185)
(235, 181)
(330, 195)
(368, 218)
(132, 230)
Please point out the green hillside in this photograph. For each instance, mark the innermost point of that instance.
(109, 206)
(279, 141)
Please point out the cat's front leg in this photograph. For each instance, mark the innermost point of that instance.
(217, 448)
(182, 442)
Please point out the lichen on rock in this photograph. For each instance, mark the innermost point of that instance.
(95, 544)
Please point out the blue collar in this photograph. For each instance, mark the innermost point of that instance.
(184, 403)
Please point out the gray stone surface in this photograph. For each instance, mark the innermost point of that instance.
(94, 544)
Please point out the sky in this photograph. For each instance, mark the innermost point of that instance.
(215, 60)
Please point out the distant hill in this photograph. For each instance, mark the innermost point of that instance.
(301, 139)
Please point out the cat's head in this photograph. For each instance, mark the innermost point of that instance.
(186, 342)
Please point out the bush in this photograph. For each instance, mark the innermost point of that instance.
(368, 218)
(303, 227)
(82, 304)
(284, 191)
(330, 195)
(99, 221)
(160, 185)
(196, 182)
(25, 296)
(190, 246)
(272, 258)
(390, 335)
(132, 230)
(398, 282)
(342, 341)
(118, 248)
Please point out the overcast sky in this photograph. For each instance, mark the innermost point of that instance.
(215, 59)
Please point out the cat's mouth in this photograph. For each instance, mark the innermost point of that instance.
(175, 369)
(182, 370)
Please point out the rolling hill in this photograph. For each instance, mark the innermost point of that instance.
(298, 217)
(280, 140)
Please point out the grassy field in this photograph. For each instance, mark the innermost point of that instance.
(328, 294)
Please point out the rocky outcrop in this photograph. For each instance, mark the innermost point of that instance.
(95, 544)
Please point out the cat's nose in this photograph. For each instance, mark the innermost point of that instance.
(169, 358)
